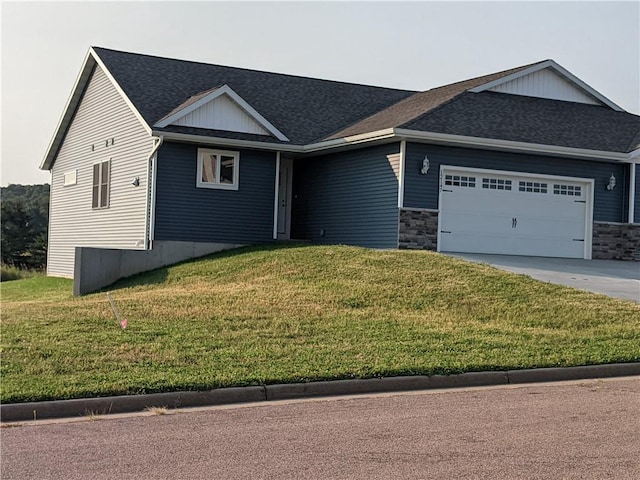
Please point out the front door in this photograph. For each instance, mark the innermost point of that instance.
(284, 198)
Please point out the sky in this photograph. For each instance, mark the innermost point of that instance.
(408, 45)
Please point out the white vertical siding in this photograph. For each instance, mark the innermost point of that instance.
(545, 84)
(102, 116)
(221, 114)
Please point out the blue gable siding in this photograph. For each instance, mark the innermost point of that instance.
(351, 196)
(421, 191)
(187, 213)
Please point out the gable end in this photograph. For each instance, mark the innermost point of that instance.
(220, 109)
(548, 80)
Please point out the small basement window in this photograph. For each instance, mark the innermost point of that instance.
(217, 169)
(101, 180)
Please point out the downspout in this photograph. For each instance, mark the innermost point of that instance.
(632, 192)
(151, 192)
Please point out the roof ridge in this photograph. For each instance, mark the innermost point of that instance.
(306, 77)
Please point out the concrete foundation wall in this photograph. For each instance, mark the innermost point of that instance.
(616, 241)
(96, 268)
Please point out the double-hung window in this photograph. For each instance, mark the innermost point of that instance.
(101, 178)
(217, 169)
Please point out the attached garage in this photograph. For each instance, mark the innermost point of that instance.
(513, 213)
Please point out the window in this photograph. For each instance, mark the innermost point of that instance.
(532, 187)
(101, 174)
(217, 169)
(496, 184)
(570, 190)
(460, 181)
(70, 178)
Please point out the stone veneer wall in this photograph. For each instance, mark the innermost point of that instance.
(616, 241)
(418, 229)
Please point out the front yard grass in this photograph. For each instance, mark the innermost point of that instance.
(295, 313)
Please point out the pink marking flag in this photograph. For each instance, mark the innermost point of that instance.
(123, 321)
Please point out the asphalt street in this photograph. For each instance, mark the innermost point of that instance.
(567, 430)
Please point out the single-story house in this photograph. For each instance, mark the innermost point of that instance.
(156, 160)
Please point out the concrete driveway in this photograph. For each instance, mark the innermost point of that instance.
(609, 277)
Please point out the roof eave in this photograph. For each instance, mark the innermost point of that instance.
(90, 62)
(69, 110)
(406, 134)
(513, 146)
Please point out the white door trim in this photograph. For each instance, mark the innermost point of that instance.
(589, 194)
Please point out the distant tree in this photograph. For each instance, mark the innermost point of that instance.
(24, 217)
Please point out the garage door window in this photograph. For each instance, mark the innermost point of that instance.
(532, 187)
(496, 184)
(460, 181)
(569, 190)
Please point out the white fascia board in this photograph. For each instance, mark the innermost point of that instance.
(69, 109)
(227, 142)
(559, 70)
(224, 90)
(352, 140)
(634, 156)
(120, 91)
(509, 145)
(404, 134)
(90, 61)
(314, 147)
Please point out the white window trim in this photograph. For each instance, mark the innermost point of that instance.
(70, 178)
(218, 186)
(101, 207)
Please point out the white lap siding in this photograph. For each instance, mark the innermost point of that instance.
(104, 129)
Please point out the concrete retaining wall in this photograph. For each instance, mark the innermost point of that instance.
(96, 268)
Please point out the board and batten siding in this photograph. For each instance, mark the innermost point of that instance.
(102, 116)
(545, 84)
(187, 213)
(221, 114)
(421, 191)
(349, 198)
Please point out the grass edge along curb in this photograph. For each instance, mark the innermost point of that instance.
(33, 411)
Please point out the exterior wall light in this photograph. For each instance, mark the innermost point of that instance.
(425, 166)
(612, 183)
(136, 182)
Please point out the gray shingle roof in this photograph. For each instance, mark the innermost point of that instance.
(304, 109)
(309, 110)
(419, 104)
(532, 120)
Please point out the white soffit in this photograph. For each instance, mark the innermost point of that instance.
(221, 109)
(548, 80)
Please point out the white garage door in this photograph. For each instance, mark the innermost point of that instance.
(487, 211)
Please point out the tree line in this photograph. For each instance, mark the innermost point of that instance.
(24, 218)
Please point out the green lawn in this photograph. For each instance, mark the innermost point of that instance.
(296, 313)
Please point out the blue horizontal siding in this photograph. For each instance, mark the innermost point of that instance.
(187, 213)
(421, 191)
(351, 196)
(636, 198)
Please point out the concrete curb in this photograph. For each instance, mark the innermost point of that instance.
(18, 412)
